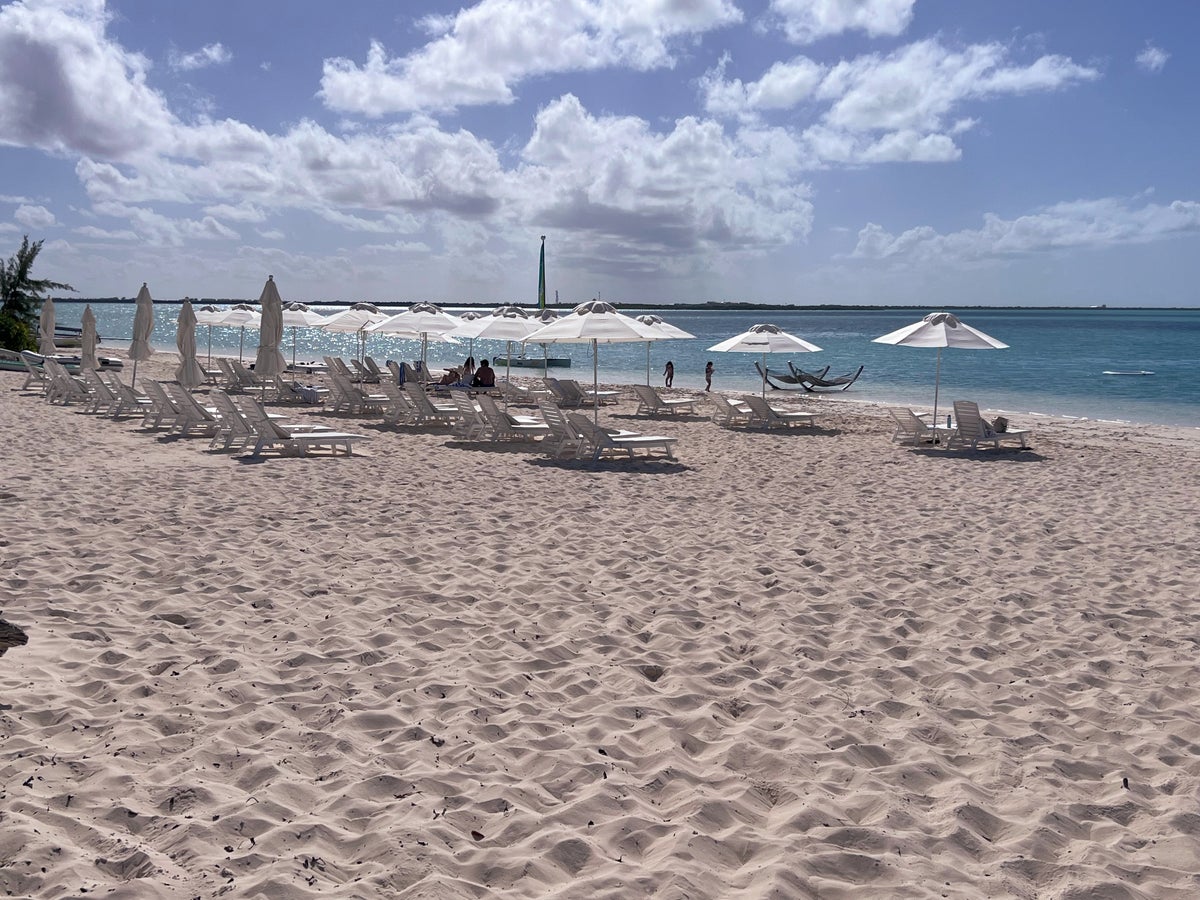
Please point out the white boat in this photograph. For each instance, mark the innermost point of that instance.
(11, 361)
(1139, 372)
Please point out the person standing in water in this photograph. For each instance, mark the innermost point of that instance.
(668, 373)
(708, 376)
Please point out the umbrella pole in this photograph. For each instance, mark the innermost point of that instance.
(210, 346)
(764, 376)
(293, 346)
(648, 363)
(595, 386)
(545, 360)
(507, 368)
(937, 380)
(241, 338)
(133, 381)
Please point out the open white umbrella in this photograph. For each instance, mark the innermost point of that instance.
(189, 374)
(940, 329)
(143, 325)
(666, 331)
(464, 330)
(46, 329)
(209, 315)
(241, 316)
(269, 361)
(88, 339)
(508, 324)
(423, 320)
(355, 320)
(765, 339)
(595, 323)
(299, 315)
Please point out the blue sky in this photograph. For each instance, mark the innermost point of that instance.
(927, 152)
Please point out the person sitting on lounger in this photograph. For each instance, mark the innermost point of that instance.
(451, 377)
(485, 376)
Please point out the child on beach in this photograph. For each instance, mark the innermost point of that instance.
(708, 376)
(669, 373)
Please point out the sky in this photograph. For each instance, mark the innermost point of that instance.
(927, 152)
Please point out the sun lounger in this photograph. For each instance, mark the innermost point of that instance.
(193, 418)
(160, 407)
(730, 411)
(271, 435)
(911, 429)
(600, 442)
(652, 404)
(972, 428)
(504, 427)
(762, 413)
(426, 412)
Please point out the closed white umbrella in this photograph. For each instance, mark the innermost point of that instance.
(667, 332)
(189, 374)
(242, 316)
(88, 339)
(209, 315)
(595, 323)
(423, 320)
(298, 315)
(940, 329)
(143, 325)
(46, 329)
(269, 360)
(355, 320)
(765, 339)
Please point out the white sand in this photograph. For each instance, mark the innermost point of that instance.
(788, 665)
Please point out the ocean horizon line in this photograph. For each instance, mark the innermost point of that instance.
(714, 305)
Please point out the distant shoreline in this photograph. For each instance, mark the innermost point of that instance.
(714, 306)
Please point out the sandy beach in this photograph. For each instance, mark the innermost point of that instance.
(794, 664)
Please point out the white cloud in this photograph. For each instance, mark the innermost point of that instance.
(652, 199)
(805, 21)
(480, 54)
(1080, 223)
(240, 212)
(1152, 59)
(8, 228)
(34, 217)
(104, 234)
(66, 89)
(899, 107)
(211, 55)
(15, 198)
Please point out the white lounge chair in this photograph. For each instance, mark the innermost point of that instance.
(912, 429)
(35, 374)
(762, 413)
(426, 412)
(161, 406)
(970, 427)
(505, 427)
(601, 442)
(563, 439)
(272, 435)
(652, 404)
(193, 418)
(730, 411)
(515, 393)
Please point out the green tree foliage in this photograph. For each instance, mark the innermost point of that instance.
(21, 297)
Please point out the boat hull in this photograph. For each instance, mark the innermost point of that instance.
(531, 362)
(11, 362)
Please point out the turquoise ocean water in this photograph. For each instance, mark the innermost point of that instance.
(1054, 366)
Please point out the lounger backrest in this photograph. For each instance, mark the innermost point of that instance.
(759, 407)
(157, 395)
(968, 420)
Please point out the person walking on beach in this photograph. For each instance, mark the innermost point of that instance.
(708, 376)
(668, 373)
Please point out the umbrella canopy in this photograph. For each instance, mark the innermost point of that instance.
(299, 315)
(46, 329)
(940, 329)
(765, 339)
(423, 320)
(143, 325)
(355, 320)
(88, 339)
(189, 374)
(595, 323)
(506, 323)
(269, 361)
(243, 316)
(667, 331)
(471, 315)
